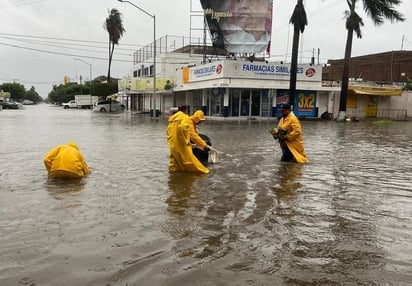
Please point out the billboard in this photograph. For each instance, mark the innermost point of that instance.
(304, 105)
(239, 26)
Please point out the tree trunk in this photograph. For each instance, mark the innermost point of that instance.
(345, 77)
(110, 60)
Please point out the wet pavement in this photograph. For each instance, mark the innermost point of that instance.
(345, 218)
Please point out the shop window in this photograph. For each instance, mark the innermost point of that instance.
(255, 104)
(245, 103)
(234, 102)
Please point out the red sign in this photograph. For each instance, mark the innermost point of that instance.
(310, 72)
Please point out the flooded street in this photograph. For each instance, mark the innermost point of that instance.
(345, 218)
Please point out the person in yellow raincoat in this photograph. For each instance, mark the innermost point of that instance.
(292, 142)
(181, 156)
(195, 119)
(66, 161)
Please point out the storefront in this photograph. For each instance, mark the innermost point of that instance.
(365, 100)
(250, 89)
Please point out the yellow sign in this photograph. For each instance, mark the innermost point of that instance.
(376, 90)
(185, 75)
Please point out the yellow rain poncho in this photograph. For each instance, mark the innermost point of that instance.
(181, 156)
(66, 161)
(294, 140)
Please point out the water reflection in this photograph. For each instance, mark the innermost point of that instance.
(289, 175)
(286, 191)
(56, 186)
(181, 203)
(183, 193)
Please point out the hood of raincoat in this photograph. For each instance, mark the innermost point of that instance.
(177, 116)
(198, 116)
(74, 145)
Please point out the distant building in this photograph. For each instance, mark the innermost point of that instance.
(376, 84)
(386, 68)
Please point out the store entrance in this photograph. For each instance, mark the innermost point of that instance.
(255, 102)
(250, 102)
(245, 103)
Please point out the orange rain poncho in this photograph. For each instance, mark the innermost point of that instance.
(181, 156)
(294, 139)
(66, 161)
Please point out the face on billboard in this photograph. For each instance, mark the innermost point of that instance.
(251, 15)
(239, 26)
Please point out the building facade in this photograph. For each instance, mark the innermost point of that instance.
(376, 86)
(224, 87)
(246, 87)
(382, 68)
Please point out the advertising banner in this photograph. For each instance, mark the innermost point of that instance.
(278, 71)
(304, 105)
(239, 26)
(203, 72)
(145, 85)
(248, 70)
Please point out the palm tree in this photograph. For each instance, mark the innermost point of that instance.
(114, 26)
(377, 11)
(299, 21)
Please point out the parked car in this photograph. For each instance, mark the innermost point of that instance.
(108, 106)
(10, 105)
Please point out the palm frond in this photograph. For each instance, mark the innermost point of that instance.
(379, 10)
(299, 19)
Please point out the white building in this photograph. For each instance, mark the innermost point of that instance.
(221, 86)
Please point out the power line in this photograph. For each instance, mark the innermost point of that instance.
(63, 54)
(65, 47)
(65, 39)
(17, 3)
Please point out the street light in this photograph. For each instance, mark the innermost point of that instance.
(154, 52)
(90, 67)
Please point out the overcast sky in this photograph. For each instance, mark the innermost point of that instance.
(39, 39)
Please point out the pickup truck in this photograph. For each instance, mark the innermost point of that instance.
(70, 104)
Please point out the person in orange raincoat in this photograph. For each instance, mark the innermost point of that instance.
(66, 161)
(181, 156)
(292, 142)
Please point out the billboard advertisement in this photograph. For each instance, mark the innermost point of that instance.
(304, 105)
(239, 26)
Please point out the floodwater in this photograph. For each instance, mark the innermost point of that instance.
(345, 218)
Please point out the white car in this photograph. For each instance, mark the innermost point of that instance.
(108, 106)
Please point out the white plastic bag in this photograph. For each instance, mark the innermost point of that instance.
(212, 157)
